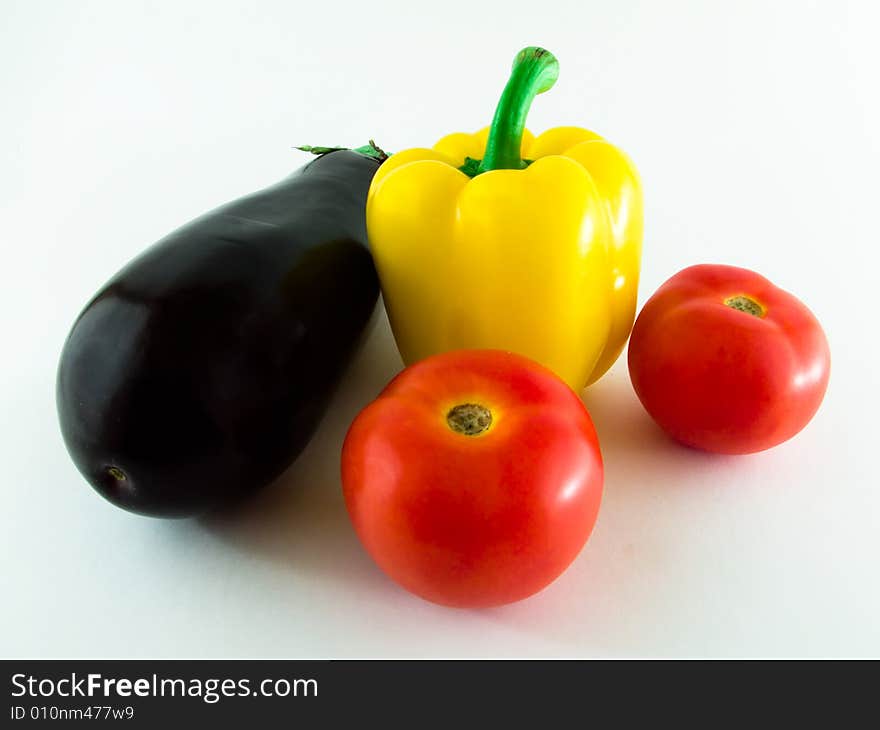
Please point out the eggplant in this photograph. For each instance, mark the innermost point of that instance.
(200, 371)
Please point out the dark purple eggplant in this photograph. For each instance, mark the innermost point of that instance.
(199, 372)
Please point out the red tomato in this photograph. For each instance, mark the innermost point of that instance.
(725, 361)
(474, 479)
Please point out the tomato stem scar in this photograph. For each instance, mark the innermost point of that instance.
(469, 419)
(745, 304)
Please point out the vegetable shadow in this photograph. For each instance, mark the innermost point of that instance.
(300, 520)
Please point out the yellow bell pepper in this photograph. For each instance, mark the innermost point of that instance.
(504, 240)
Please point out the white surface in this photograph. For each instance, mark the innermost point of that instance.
(755, 128)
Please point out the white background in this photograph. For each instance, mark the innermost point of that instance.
(755, 127)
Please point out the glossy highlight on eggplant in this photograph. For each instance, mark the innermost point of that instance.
(199, 372)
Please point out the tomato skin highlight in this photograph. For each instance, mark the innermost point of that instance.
(721, 379)
(481, 520)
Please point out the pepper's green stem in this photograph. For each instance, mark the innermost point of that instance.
(535, 70)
